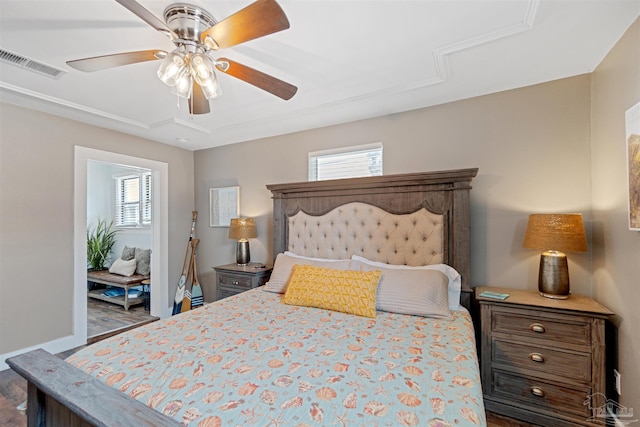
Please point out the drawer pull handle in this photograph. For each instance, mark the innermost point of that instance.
(537, 327)
(537, 391)
(235, 282)
(536, 357)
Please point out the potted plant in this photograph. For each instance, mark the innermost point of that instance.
(99, 243)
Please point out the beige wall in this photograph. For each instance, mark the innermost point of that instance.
(616, 250)
(36, 217)
(531, 145)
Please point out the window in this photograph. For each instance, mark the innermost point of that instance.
(348, 162)
(133, 200)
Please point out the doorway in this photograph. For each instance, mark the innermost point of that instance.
(159, 303)
(119, 195)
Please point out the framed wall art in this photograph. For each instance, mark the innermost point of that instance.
(224, 204)
(632, 119)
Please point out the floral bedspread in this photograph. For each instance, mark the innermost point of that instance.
(251, 360)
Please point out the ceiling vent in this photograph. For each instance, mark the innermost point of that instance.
(30, 64)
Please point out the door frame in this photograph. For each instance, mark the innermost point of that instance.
(159, 233)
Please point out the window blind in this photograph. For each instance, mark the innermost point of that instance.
(348, 162)
(133, 200)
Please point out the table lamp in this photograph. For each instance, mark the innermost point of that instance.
(555, 234)
(242, 229)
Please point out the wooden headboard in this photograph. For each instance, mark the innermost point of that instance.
(445, 193)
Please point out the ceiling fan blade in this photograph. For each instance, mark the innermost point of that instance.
(256, 20)
(257, 78)
(98, 63)
(148, 17)
(198, 104)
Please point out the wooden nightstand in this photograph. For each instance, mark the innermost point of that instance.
(542, 359)
(232, 279)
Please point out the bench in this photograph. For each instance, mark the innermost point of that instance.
(125, 282)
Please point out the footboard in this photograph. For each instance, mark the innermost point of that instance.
(62, 395)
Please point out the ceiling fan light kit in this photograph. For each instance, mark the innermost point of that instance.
(189, 69)
(180, 69)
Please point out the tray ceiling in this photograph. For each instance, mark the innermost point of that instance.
(349, 59)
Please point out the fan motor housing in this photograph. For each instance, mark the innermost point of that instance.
(188, 21)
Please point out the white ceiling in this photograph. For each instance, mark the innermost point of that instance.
(350, 59)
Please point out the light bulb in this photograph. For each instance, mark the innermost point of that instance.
(182, 87)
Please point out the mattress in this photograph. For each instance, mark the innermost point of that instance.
(251, 360)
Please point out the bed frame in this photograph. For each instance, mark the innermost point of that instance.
(446, 193)
(60, 394)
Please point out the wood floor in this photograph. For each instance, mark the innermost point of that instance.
(104, 320)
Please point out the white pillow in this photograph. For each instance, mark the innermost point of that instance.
(419, 292)
(455, 280)
(284, 263)
(122, 267)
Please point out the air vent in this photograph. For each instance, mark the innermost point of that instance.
(30, 64)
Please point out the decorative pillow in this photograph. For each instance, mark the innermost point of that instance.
(122, 267)
(346, 291)
(284, 263)
(143, 259)
(128, 253)
(455, 280)
(418, 292)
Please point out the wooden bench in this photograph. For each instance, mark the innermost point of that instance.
(125, 282)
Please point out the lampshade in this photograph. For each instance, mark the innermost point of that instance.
(559, 232)
(555, 234)
(242, 228)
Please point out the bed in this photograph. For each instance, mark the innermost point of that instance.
(253, 359)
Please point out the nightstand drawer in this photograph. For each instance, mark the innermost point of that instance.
(232, 279)
(227, 292)
(546, 361)
(562, 329)
(540, 395)
(235, 280)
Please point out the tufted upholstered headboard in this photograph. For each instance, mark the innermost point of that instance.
(411, 219)
(366, 230)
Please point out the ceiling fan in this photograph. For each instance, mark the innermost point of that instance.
(189, 68)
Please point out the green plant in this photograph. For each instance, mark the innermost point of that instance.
(99, 243)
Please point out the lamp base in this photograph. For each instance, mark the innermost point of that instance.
(552, 296)
(553, 278)
(243, 255)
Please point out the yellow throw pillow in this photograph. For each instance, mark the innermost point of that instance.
(346, 291)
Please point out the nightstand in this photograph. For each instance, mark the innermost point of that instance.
(233, 279)
(542, 359)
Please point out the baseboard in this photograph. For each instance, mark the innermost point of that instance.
(56, 346)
